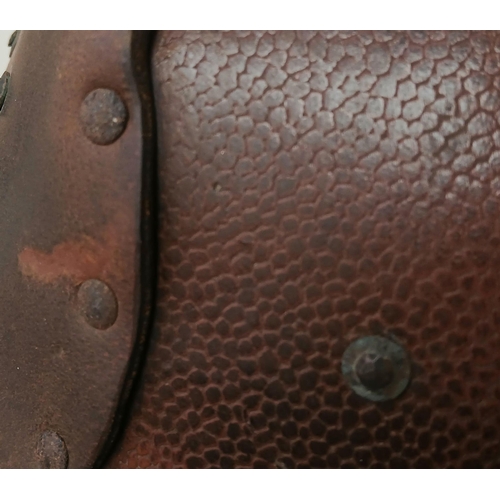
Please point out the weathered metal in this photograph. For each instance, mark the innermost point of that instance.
(103, 116)
(376, 368)
(73, 214)
(374, 371)
(97, 304)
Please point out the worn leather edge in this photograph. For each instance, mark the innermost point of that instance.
(142, 45)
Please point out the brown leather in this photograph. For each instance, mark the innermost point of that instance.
(317, 188)
(74, 240)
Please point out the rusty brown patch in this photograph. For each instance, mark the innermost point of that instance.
(76, 260)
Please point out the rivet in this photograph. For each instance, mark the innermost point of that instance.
(376, 368)
(97, 304)
(374, 372)
(4, 88)
(51, 451)
(103, 116)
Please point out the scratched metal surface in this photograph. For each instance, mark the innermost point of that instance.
(317, 188)
(70, 211)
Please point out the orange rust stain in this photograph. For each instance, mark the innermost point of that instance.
(76, 260)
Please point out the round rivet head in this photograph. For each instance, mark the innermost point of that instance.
(51, 451)
(4, 88)
(374, 371)
(376, 368)
(103, 116)
(97, 304)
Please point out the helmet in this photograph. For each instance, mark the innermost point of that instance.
(250, 249)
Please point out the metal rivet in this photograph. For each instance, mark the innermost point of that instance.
(374, 372)
(4, 88)
(97, 303)
(376, 368)
(51, 451)
(103, 116)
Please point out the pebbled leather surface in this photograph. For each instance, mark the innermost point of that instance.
(316, 188)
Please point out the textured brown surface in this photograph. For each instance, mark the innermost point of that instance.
(316, 188)
(70, 211)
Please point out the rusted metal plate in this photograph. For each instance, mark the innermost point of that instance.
(70, 214)
(318, 188)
